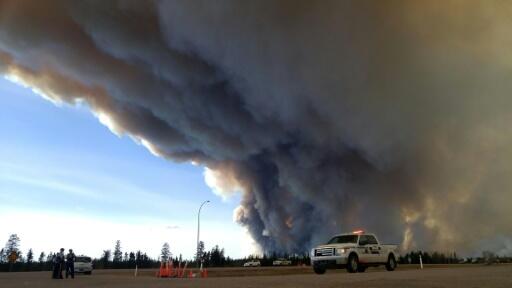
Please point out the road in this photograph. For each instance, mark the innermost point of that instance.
(469, 276)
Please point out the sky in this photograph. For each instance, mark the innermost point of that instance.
(64, 179)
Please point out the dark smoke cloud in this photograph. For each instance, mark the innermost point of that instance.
(393, 116)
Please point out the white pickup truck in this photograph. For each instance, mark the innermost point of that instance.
(354, 251)
(83, 264)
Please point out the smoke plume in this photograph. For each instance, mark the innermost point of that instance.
(392, 116)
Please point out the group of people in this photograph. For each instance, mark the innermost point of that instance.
(60, 261)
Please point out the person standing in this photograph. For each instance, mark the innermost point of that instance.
(54, 266)
(61, 258)
(70, 264)
(57, 264)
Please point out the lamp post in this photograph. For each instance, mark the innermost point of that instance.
(198, 227)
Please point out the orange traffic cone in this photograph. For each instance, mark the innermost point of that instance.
(190, 275)
(171, 269)
(164, 270)
(202, 272)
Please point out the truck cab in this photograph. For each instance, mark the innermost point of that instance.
(354, 251)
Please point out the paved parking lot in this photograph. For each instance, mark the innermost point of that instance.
(468, 276)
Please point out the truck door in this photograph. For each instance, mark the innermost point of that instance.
(375, 249)
(364, 251)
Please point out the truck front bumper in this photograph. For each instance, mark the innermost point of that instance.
(330, 261)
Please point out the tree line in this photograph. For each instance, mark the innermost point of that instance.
(215, 257)
(413, 257)
(110, 259)
(487, 257)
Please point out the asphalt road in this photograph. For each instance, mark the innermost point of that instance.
(469, 276)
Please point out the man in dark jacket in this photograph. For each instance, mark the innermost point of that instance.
(70, 264)
(62, 258)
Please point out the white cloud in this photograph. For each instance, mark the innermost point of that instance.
(222, 182)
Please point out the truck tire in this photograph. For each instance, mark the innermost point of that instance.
(391, 264)
(352, 263)
(319, 269)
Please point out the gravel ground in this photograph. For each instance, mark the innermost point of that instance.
(468, 276)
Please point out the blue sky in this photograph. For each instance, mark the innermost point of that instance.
(63, 172)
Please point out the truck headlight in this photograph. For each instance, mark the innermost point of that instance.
(340, 251)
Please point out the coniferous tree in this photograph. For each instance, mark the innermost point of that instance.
(30, 256)
(50, 256)
(105, 258)
(118, 255)
(41, 257)
(2, 256)
(12, 246)
(131, 258)
(217, 256)
(166, 253)
(138, 258)
(200, 251)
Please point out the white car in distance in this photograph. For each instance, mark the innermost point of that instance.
(252, 263)
(281, 262)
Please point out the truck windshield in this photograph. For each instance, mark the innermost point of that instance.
(83, 259)
(343, 239)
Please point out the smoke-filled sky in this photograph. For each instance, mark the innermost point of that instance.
(392, 116)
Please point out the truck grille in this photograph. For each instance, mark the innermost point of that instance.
(324, 252)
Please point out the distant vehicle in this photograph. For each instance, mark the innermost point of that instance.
(355, 251)
(83, 264)
(281, 262)
(252, 263)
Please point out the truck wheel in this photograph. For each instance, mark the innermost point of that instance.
(353, 263)
(391, 264)
(319, 269)
(361, 269)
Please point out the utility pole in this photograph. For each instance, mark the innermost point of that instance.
(198, 228)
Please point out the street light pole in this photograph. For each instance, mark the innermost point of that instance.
(198, 227)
